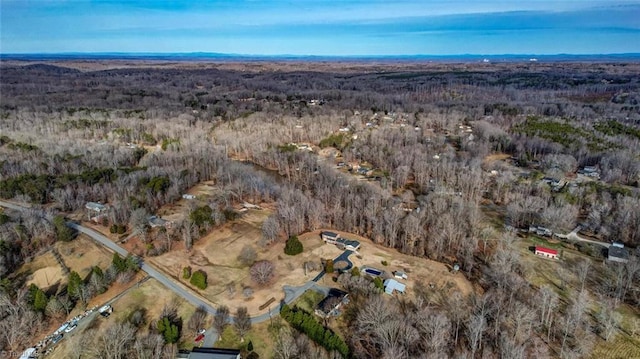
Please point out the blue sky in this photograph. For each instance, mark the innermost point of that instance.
(321, 27)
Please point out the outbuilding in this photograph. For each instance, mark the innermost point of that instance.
(546, 252)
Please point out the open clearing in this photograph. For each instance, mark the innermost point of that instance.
(46, 277)
(177, 211)
(152, 297)
(370, 254)
(83, 253)
(42, 271)
(217, 253)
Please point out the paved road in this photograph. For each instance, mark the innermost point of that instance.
(291, 293)
(573, 235)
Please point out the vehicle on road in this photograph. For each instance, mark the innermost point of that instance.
(199, 338)
(106, 310)
(57, 338)
(70, 328)
(202, 331)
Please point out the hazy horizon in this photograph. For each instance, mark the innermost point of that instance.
(321, 28)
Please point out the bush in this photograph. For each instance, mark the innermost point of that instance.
(128, 264)
(328, 266)
(247, 255)
(378, 283)
(293, 246)
(199, 279)
(37, 298)
(201, 216)
(63, 233)
(355, 272)
(170, 331)
(385, 263)
(118, 228)
(186, 272)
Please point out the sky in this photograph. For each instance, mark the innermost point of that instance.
(321, 27)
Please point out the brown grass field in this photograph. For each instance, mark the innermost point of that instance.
(83, 253)
(217, 253)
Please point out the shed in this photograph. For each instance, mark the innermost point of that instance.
(400, 274)
(391, 285)
(546, 252)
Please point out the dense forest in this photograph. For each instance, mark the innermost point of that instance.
(449, 162)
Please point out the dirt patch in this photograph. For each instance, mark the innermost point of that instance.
(496, 157)
(46, 277)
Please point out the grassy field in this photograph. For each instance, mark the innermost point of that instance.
(78, 255)
(153, 297)
(259, 336)
(309, 300)
(217, 255)
(82, 253)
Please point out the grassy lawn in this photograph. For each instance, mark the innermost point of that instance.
(259, 336)
(309, 300)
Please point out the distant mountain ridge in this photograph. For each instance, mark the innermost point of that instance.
(212, 56)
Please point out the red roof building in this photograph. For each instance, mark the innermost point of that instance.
(546, 252)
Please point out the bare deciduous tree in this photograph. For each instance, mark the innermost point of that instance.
(221, 319)
(262, 272)
(197, 319)
(242, 322)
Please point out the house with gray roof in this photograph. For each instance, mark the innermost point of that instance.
(618, 253)
(392, 285)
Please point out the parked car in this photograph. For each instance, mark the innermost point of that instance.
(199, 338)
(202, 331)
(70, 328)
(57, 338)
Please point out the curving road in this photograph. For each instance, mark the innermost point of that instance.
(291, 293)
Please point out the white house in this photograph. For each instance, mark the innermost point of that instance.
(392, 285)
